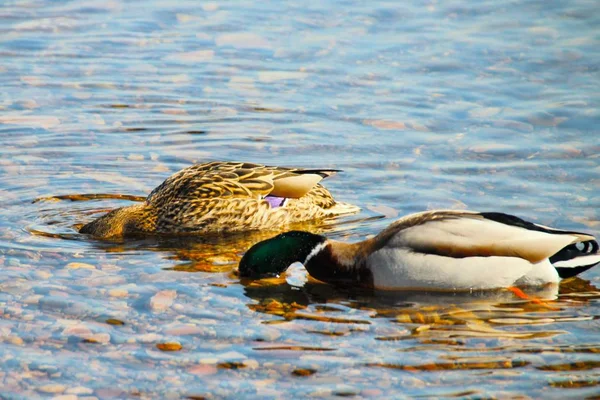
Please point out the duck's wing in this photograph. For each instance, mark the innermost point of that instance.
(295, 183)
(230, 179)
(461, 234)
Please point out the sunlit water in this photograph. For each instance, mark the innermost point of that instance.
(479, 105)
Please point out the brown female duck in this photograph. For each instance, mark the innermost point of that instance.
(225, 197)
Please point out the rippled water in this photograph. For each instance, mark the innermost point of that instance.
(479, 105)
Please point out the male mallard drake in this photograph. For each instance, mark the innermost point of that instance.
(444, 250)
(225, 197)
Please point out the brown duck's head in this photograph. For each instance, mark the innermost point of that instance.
(116, 223)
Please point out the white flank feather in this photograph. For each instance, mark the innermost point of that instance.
(404, 269)
(541, 273)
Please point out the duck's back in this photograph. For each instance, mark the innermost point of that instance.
(227, 196)
(210, 180)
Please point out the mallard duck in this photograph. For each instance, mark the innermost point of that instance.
(225, 197)
(434, 250)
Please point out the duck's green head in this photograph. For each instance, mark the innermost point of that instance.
(273, 256)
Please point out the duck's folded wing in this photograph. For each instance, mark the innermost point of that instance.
(222, 180)
(295, 183)
(280, 182)
(189, 189)
(460, 234)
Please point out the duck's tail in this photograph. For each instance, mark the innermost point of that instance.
(576, 258)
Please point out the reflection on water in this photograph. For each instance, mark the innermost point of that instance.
(176, 303)
(422, 105)
(208, 253)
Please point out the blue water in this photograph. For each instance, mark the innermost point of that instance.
(463, 104)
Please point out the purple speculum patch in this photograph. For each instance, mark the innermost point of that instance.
(275, 201)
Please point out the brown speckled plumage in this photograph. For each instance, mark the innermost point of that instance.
(224, 197)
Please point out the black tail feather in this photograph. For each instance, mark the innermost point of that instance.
(568, 272)
(573, 251)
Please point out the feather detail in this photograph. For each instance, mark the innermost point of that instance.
(461, 234)
(229, 196)
(404, 269)
(295, 186)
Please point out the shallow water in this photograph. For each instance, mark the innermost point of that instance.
(479, 105)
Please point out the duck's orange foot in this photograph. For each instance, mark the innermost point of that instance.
(520, 294)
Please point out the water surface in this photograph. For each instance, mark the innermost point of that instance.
(462, 104)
